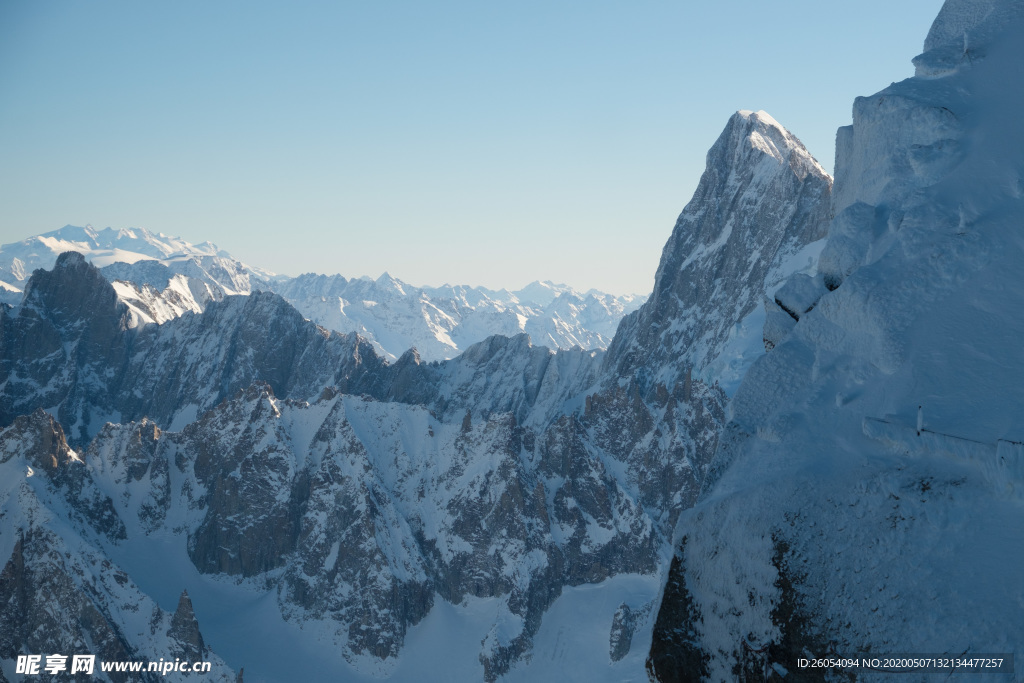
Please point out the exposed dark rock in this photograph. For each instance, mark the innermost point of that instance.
(761, 198)
(487, 476)
(37, 592)
(39, 440)
(185, 630)
(620, 637)
(676, 655)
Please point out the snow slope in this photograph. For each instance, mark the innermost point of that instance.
(441, 322)
(293, 478)
(161, 277)
(368, 492)
(833, 520)
(758, 215)
(132, 246)
(56, 521)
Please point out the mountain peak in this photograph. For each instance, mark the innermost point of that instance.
(759, 116)
(40, 438)
(758, 131)
(69, 259)
(761, 199)
(185, 628)
(73, 290)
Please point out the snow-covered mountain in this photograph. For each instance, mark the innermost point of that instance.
(285, 472)
(441, 322)
(59, 589)
(157, 256)
(360, 493)
(514, 512)
(161, 277)
(758, 216)
(866, 493)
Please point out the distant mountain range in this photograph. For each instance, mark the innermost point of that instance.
(807, 443)
(393, 512)
(161, 277)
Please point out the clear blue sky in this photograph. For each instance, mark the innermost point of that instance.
(464, 142)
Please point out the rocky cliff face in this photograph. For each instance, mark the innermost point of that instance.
(359, 512)
(761, 203)
(321, 501)
(70, 349)
(153, 258)
(872, 465)
(60, 592)
(354, 498)
(160, 278)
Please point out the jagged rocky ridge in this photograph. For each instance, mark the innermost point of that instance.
(259, 481)
(161, 277)
(441, 322)
(60, 593)
(155, 259)
(359, 493)
(758, 214)
(865, 495)
(70, 348)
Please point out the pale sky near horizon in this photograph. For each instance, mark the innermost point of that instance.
(461, 142)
